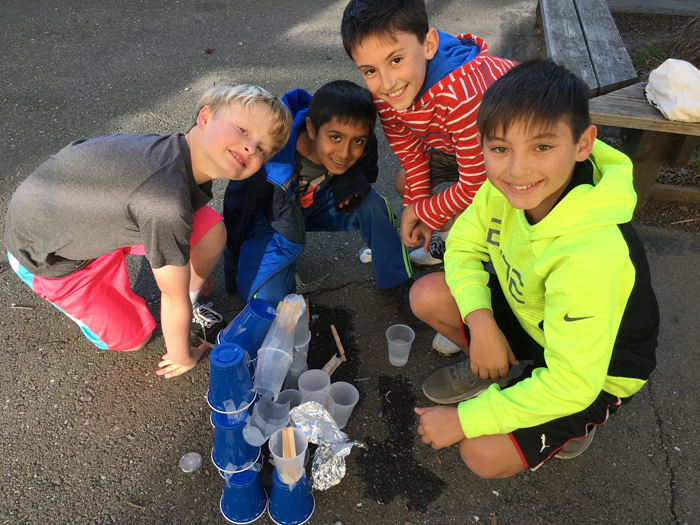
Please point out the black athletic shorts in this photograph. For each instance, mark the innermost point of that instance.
(537, 444)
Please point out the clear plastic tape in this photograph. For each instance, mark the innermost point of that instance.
(333, 445)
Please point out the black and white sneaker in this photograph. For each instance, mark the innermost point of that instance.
(206, 322)
(434, 256)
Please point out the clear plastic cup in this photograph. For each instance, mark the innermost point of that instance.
(345, 396)
(323, 398)
(314, 381)
(266, 419)
(271, 370)
(399, 339)
(290, 470)
(293, 396)
(298, 367)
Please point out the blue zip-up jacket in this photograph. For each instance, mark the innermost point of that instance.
(263, 218)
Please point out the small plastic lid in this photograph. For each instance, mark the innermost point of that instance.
(226, 355)
(190, 462)
(263, 309)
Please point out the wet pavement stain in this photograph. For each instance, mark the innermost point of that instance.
(322, 346)
(388, 466)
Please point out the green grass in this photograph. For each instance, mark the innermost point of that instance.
(657, 52)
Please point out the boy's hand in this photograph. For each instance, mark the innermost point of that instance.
(422, 234)
(208, 286)
(409, 219)
(170, 368)
(440, 426)
(489, 352)
(413, 232)
(347, 201)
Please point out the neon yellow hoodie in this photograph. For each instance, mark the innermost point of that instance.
(581, 274)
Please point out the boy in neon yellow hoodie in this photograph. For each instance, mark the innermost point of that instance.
(544, 268)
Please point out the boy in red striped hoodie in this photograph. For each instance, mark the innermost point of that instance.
(427, 87)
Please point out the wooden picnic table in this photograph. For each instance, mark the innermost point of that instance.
(648, 138)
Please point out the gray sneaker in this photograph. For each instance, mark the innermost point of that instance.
(576, 447)
(456, 383)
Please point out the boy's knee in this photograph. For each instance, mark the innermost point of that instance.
(488, 463)
(214, 239)
(400, 182)
(427, 289)
(478, 462)
(218, 233)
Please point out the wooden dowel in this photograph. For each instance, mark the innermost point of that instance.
(337, 341)
(288, 444)
(308, 314)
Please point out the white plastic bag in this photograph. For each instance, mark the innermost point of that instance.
(674, 89)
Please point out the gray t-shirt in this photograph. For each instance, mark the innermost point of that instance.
(105, 193)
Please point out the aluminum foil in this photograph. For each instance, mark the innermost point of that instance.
(333, 445)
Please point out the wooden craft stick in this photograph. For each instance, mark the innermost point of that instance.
(337, 341)
(334, 362)
(308, 314)
(288, 445)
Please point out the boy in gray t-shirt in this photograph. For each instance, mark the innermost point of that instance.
(70, 224)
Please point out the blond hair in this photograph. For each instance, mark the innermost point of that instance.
(221, 98)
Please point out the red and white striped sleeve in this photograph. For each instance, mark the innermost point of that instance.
(413, 154)
(435, 211)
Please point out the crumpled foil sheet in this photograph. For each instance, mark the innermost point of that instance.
(333, 445)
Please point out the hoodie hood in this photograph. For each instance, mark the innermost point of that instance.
(452, 53)
(611, 200)
(277, 169)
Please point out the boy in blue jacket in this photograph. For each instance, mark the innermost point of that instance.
(321, 181)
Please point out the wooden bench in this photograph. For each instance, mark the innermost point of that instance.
(648, 138)
(582, 35)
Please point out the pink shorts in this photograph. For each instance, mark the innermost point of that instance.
(99, 298)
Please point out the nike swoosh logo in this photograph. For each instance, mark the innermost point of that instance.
(569, 319)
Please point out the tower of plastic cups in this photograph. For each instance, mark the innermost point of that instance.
(291, 501)
(230, 383)
(244, 500)
(248, 328)
(230, 397)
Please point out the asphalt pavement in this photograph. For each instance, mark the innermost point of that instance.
(95, 437)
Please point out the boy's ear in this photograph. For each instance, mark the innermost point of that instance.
(310, 129)
(586, 142)
(204, 117)
(432, 39)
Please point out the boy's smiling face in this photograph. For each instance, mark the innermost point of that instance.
(531, 165)
(337, 146)
(235, 143)
(394, 66)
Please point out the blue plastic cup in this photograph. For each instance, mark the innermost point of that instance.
(244, 500)
(249, 327)
(290, 506)
(230, 384)
(232, 453)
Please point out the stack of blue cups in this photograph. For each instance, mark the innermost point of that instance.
(249, 329)
(230, 396)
